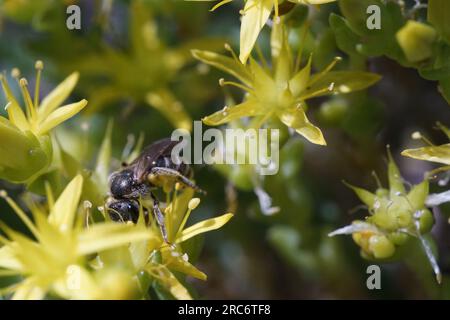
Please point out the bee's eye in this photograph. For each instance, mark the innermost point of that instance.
(121, 184)
(123, 211)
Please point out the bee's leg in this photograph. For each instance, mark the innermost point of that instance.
(159, 217)
(161, 171)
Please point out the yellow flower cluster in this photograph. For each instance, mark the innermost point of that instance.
(70, 257)
(25, 142)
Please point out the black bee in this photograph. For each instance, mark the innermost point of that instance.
(151, 169)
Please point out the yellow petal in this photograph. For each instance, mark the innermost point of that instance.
(32, 256)
(77, 283)
(248, 108)
(104, 157)
(63, 212)
(28, 290)
(276, 40)
(439, 154)
(168, 280)
(109, 235)
(204, 226)
(224, 63)
(176, 262)
(8, 259)
(16, 116)
(55, 98)
(255, 17)
(262, 81)
(281, 54)
(296, 118)
(60, 115)
(177, 214)
(139, 250)
(15, 113)
(299, 82)
(165, 102)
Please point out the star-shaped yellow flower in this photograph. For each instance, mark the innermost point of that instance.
(282, 89)
(254, 16)
(24, 136)
(59, 248)
(157, 259)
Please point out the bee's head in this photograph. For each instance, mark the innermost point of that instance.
(123, 210)
(122, 183)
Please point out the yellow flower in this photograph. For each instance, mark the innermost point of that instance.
(254, 16)
(172, 257)
(281, 90)
(54, 260)
(145, 74)
(159, 260)
(25, 143)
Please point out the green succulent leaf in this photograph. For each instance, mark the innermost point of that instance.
(439, 17)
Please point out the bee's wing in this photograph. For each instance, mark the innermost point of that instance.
(142, 164)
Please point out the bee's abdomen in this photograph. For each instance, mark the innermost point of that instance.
(166, 162)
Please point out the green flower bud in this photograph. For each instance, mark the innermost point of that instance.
(398, 238)
(382, 193)
(426, 221)
(396, 215)
(381, 247)
(23, 154)
(416, 40)
(374, 245)
(333, 111)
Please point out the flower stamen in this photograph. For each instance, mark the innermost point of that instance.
(39, 67)
(418, 136)
(261, 56)
(235, 57)
(31, 111)
(222, 83)
(316, 93)
(7, 89)
(298, 60)
(244, 11)
(277, 19)
(20, 213)
(377, 180)
(15, 73)
(221, 3)
(326, 70)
